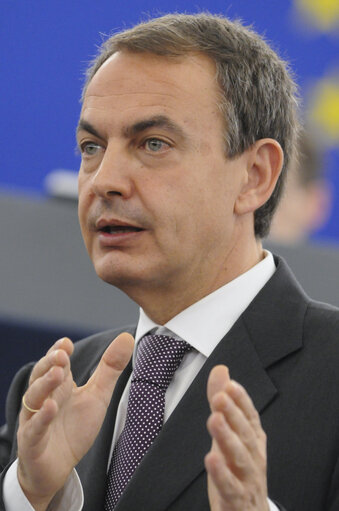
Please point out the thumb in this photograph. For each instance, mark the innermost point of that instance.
(111, 365)
(217, 382)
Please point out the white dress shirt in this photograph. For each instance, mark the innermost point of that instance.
(202, 325)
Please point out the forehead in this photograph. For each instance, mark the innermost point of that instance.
(128, 80)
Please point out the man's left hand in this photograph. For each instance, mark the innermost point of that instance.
(236, 463)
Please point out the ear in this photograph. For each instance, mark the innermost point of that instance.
(264, 164)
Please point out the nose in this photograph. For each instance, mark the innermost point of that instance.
(113, 175)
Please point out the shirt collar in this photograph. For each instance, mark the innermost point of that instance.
(205, 323)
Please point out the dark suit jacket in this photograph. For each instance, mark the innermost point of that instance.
(285, 350)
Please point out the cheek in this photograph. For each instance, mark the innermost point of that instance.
(82, 215)
(81, 208)
(183, 208)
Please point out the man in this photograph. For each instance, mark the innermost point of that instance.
(183, 130)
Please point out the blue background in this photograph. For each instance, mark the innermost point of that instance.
(46, 45)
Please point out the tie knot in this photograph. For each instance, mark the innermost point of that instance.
(158, 358)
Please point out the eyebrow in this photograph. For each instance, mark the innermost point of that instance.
(87, 126)
(157, 121)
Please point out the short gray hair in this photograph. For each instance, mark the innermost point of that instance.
(258, 97)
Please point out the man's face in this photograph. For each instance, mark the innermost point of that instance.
(156, 192)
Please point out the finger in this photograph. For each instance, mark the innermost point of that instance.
(58, 354)
(33, 435)
(55, 357)
(111, 365)
(41, 388)
(228, 486)
(234, 452)
(217, 381)
(238, 422)
(33, 431)
(245, 403)
(64, 343)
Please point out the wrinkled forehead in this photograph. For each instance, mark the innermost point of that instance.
(126, 72)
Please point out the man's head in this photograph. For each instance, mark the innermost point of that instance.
(167, 189)
(257, 94)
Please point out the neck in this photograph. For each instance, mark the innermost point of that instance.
(163, 304)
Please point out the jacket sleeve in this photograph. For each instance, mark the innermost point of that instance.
(8, 443)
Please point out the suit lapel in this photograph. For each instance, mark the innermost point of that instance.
(263, 335)
(92, 469)
(275, 318)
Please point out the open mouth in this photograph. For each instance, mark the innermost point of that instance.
(119, 229)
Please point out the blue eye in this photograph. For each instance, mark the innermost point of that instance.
(155, 145)
(89, 148)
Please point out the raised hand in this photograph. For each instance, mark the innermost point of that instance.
(52, 440)
(236, 463)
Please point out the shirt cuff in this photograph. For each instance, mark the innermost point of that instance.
(272, 506)
(69, 498)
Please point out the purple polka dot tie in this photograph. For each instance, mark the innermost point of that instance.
(158, 358)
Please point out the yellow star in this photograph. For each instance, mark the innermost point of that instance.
(323, 13)
(325, 108)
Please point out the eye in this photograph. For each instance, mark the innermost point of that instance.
(89, 148)
(155, 145)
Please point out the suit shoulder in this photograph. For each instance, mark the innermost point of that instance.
(321, 332)
(321, 316)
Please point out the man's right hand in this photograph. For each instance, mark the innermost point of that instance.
(53, 440)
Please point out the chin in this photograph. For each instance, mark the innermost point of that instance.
(120, 276)
(130, 273)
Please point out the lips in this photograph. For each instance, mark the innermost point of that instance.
(115, 227)
(118, 229)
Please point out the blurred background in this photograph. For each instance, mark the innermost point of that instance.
(48, 287)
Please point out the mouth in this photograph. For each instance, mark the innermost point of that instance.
(116, 231)
(119, 229)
